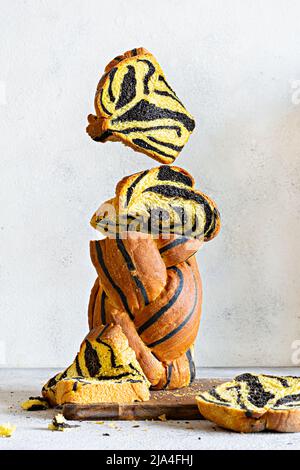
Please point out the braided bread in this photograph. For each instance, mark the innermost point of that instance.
(253, 403)
(157, 304)
(135, 105)
(104, 370)
(148, 279)
(160, 201)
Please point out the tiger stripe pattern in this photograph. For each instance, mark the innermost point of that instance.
(104, 355)
(135, 105)
(127, 285)
(254, 394)
(161, 312)
(161, 200)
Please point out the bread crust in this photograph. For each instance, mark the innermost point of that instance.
(175, 249)
(249, 421)
(283, 420)
(130, 270)
(161, 332)
(152, 367)
(230, 418)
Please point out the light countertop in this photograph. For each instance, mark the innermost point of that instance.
(16, 385)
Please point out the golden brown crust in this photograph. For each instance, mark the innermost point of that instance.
(151, 282)
(175, 249)
(229, 418)
(283, 420)
(131, 270)
(126, 55)
(92, 308)
(162, 331)
(236, 420)
(178, 373)
(169, 325)
(111, 333)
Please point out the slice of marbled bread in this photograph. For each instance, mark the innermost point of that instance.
(253, 403)
(135, 104)
(104, 370)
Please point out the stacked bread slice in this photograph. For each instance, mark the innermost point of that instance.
(162, 200)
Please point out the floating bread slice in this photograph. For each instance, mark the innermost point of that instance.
(135, 105)
(159, 201)
(104, 370)
(253, 403)
(168, 324)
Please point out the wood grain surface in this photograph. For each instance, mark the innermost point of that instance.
(177, 404)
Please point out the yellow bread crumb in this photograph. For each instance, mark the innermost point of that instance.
(112, 425)
(7, 429)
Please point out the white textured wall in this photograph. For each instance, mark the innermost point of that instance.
(234, 64)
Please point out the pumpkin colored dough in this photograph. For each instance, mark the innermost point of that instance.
(104, 370)
(135, 105)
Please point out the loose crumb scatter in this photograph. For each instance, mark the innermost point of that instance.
(162, 417)
(35, 404)
(7, 429)
(59, 423)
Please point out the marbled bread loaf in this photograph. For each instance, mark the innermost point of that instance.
(135, 105)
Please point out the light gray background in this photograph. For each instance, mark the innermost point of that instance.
(235, 64)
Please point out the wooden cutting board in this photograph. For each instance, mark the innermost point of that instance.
(177, 404)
